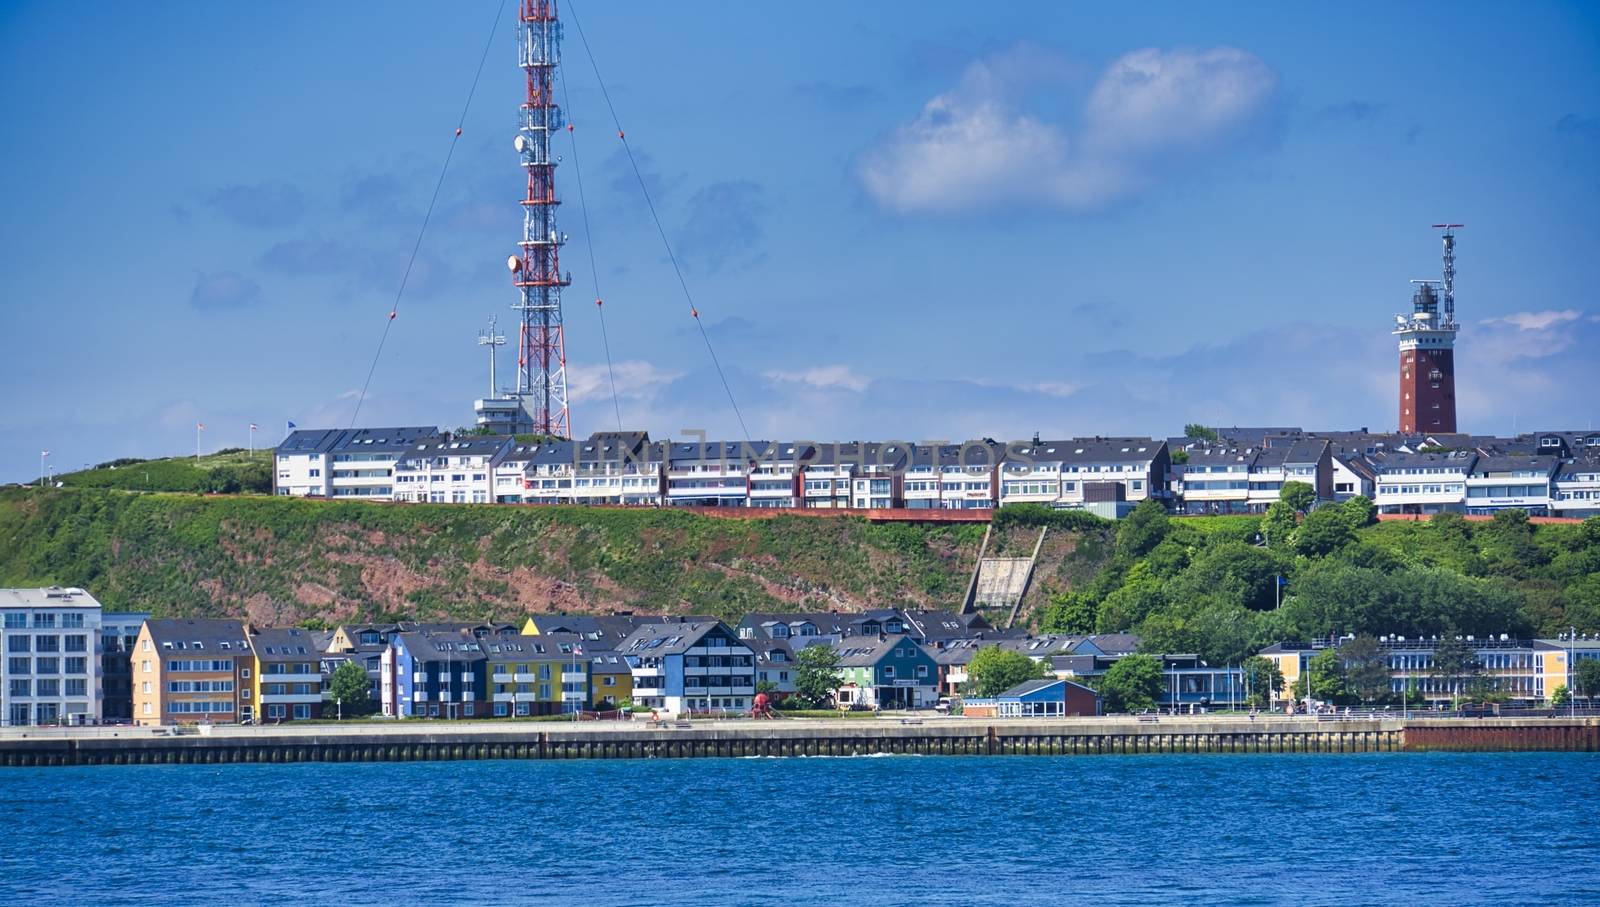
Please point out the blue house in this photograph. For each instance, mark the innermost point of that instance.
(890, 672)
(1044, 698)
(435, 675)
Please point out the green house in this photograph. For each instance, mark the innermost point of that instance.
(890, 672)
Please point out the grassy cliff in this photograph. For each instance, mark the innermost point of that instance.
(282, 560)
(1203, 585)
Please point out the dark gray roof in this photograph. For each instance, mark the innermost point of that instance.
(1401, 460)
(866, 651)
(1486, 464)
(1030, 686)
(464, 446)
(284, 644)
(429, 646)
(209, 633)
(1222, 456)
(384, 440)
(672, 638)
(543, 645)
(310, 441)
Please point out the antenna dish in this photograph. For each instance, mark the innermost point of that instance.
(520, 143)
(514, 264)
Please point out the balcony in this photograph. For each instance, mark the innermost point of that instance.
(569, 677)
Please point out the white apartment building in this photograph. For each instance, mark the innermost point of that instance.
(356, 463)
(775, 478)
(1575, 491)
(446, 470)
(1422, 483)
(1506, 482)
(1216, 480)
(1055, 473)
(303, 467)
(1352, 476)
(826, 475)
(711, 473)
(51, 672)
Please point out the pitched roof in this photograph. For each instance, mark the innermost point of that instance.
(203, 634)
(283, 644)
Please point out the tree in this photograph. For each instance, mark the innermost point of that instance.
(994, 670)
(1298, 495)
(1588, 679)
(351, 689)
(1325, 531)
(1366, 668)
(1142, 530)
(1361, 510)
(1132, 683)
(1263, 680)
(1068, 612)
(816, 675)
(1200, 433)
(1560, 698)
(1279, 526)
(1326, 673)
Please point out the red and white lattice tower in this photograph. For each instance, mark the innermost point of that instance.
(536, 268)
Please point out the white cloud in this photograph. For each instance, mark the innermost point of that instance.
(972, 147)
(1522, 335)
(826, 376)
(635, 380)
(1538, 321)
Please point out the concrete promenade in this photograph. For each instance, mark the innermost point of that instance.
(379, 740)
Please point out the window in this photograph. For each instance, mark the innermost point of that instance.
(72, 621)
(75, 666)
(16, 620)
(47, 666)
(144, 666)
(18, 643)
(44, 621)
(47, 643)
(77, 642)
(302, 711)
(76, 687)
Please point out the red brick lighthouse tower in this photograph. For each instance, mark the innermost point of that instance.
(1427, 351)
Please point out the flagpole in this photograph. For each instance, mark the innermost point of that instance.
(252, 440)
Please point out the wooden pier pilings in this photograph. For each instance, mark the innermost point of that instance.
(974, 737)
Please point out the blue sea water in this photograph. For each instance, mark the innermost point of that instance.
(1363, 829)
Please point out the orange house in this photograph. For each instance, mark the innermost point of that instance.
(192, 671)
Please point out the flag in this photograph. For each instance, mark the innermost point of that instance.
(200, 426)
(44, 453)
(252, 426)
(290, 424)
(577, 649)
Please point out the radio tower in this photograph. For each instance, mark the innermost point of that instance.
(536, 268)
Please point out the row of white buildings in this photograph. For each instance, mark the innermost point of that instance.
(1242, 470)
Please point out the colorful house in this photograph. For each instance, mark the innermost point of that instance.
(689, 666)
(610, 680)
(891, 672)
(288, 677)
(436, 675)
(1043, 698)
(546, 674)
(193, 672)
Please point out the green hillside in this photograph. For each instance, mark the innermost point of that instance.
(276, 559)
(1200, 585)
(229, 471)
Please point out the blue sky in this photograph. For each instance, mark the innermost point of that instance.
(898, 219)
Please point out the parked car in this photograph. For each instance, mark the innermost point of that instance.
(943, 705)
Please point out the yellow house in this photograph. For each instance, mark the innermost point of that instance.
(610, 680)
(536, 674)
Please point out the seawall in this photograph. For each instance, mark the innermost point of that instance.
(418, 741)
